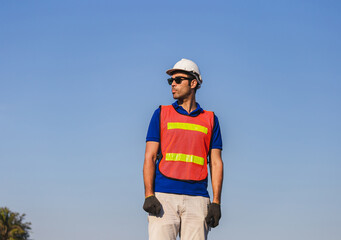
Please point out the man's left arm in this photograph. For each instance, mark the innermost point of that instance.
(216, 163)
(217, 174)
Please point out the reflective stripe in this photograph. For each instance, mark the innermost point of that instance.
(186, 126)
(184, 158)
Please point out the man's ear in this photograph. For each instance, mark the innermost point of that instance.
(194, 83)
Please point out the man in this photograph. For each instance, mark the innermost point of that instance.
(180, 140)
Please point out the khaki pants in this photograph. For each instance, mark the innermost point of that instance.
(180, 214)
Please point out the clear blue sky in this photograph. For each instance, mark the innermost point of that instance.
(79, 81)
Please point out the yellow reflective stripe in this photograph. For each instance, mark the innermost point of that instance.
(184, 158)
(186, 126)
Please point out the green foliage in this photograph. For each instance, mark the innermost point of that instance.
(12, 226)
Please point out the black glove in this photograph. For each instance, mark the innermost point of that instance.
(213, 215)
(152, 205)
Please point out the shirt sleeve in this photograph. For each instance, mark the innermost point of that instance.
(153, 133)
(216, 135)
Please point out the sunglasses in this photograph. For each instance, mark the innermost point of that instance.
(178, 80)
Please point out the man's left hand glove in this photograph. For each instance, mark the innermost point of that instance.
(213, 215)
(152, 205)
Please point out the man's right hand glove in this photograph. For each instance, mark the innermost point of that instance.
(213, 215)
(152, 205)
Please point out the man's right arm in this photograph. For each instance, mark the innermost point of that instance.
(149, 167)
(151, 203)
(152, 148)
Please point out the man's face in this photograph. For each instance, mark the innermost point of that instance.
(183, 89)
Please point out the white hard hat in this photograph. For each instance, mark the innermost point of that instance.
(189, 66)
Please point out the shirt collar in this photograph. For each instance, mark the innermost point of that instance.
(183, 111)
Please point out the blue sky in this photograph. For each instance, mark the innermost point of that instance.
(80, 80)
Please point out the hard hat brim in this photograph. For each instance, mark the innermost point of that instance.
(173, 70)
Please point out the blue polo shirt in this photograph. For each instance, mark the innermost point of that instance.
(167, 185)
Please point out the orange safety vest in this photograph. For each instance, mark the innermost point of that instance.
(185, 144)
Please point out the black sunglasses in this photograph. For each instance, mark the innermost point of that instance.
(178, 80)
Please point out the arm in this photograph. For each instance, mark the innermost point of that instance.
(216, 169)
(217, 174)
(149, 167)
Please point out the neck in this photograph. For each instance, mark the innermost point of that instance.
(189, 104)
